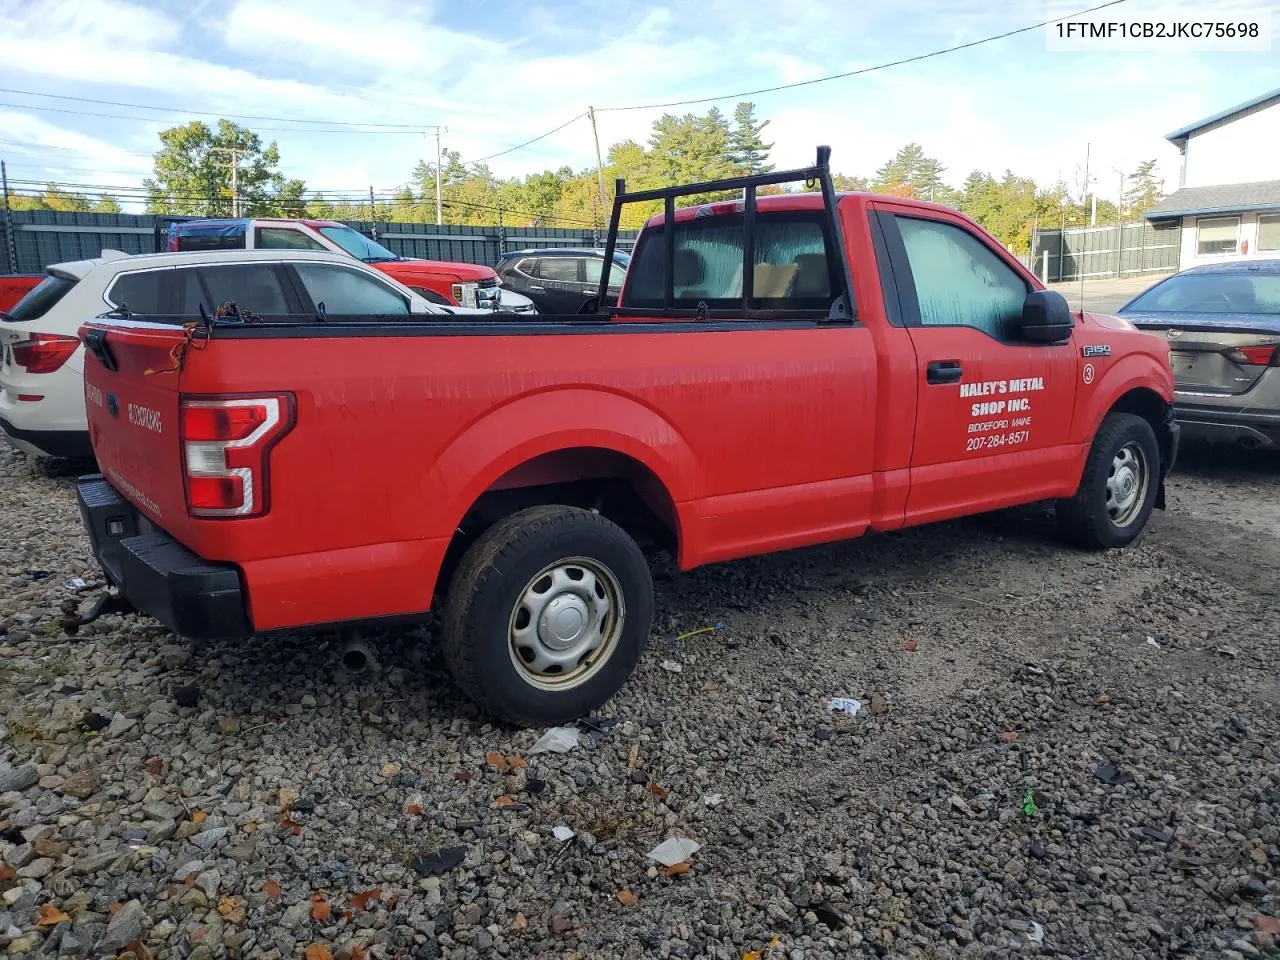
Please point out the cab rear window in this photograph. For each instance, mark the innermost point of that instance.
(41, 298)
(794, 265)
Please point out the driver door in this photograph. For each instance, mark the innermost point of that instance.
(994, 412)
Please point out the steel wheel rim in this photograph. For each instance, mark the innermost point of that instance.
(565, 623)
(1127, 483)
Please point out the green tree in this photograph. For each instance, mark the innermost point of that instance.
(192, 173)
(54, 197)
(747, 150)
(1143, 189)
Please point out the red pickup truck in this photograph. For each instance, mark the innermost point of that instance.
(879, 363)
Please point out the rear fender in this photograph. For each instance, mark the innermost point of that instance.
(535, 424)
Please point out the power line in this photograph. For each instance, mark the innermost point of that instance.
(209, 113)
(521, 146)
(863, 70)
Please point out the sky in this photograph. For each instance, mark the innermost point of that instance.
(497, 73)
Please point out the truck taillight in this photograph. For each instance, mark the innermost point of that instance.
(44, 352)
(225, 445)
(1260, 356)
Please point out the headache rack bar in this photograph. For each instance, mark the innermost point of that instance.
(819, 172)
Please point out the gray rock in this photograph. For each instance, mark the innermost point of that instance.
(296, 915)
(126, 924)
(38, 869)
(209, 881)
(188, 869)
(208, 839)
(20, 855)
(17, 779)
(120, 724)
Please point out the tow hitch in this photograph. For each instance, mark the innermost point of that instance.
(109, 601)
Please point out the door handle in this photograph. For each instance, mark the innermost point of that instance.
(536, 286)
(944, 371)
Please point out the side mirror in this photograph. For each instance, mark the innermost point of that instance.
(1046, 318)
(592, 305)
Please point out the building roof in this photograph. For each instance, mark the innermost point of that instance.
(1179, 137)
(1218, 198)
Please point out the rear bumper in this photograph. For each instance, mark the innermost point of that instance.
(1249, 428)
(157, 575)
(73, 444)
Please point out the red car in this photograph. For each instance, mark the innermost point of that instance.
(882, 363)
(455, 284)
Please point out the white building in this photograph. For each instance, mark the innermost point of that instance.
(1228, 195)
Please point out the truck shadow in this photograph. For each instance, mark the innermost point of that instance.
(766, 601)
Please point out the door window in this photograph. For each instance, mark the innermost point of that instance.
(140, 292)
(959, 281)
(253, 287)
(286, 238)
(558, 269)
(594, 267)
(345, 291)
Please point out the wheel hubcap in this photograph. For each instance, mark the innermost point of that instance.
(1127, 483)
(566, 623)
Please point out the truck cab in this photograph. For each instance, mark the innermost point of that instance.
(455, 284)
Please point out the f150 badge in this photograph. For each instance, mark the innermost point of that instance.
(1096, 350)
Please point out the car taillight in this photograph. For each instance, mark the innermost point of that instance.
(44, 352)
(1260, 356)
(225, 444)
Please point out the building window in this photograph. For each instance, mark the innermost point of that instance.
(1269, 232)
(1216, 235)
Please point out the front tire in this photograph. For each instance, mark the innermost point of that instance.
(1118, 488)
(547, 615)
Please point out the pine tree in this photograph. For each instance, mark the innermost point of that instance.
(747, 150)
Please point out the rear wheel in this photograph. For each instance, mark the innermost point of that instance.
(1118, 488)
(547, 615)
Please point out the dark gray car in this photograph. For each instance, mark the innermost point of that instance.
(1222, 322)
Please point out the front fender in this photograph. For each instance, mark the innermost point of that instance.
(1138, 371)
(559, 419)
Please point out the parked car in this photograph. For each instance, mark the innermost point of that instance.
(887, 363)
(42, 409)
(560, 280)
(443, 282)
(1222, 322)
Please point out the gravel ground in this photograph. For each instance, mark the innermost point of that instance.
(1059, 754)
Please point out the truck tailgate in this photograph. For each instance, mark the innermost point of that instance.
(131, 387)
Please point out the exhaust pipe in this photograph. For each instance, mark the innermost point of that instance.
(356, 656)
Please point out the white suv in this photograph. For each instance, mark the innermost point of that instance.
(42, 359)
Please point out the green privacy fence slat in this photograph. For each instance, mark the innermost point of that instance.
(44, 237)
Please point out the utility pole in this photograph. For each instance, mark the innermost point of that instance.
(591, 112)
(439, 203)
(11, 249)
(235, 175)
(373, 214)
(1095, 221)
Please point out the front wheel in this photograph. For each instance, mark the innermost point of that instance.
(547, 615)
(1118, 488)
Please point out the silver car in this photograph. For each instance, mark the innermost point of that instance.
(1222, 322)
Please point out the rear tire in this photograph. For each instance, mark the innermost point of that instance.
(1118, 488)
(547, 615)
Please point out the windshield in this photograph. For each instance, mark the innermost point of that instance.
(358, 245)
(40, 298)
(1212, 293)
